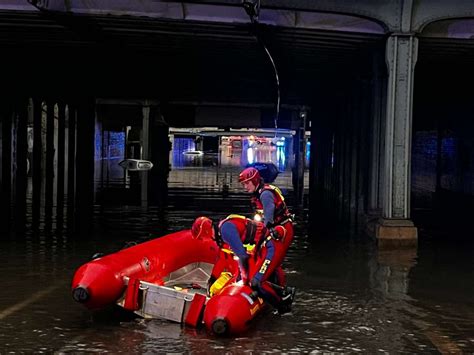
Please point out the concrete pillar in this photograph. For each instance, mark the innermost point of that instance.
(340, 162)
(363, 153)
(330, 174)
(323, 145)
(159, 156)
(299, 146)
(71, 165)
(379, 83)
(21, 147)
(348, 137)
(395, 228)
(61, 164)
(353, 156)
(1, 165)
(145, 136)
(37, 161)
(85, 165)
(49, 165)
(323, 187)
(6, 166)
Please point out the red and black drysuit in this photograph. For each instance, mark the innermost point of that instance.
(236, 231)
(268, 201)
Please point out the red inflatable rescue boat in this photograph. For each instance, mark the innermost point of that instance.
(167, 278)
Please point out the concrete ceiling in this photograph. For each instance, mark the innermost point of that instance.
(185, 56)
(177, 59)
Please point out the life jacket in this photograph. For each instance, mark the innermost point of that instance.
(252, 233)
(281, 213)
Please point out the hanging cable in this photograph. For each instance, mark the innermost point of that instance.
(252, 8)
(277, 80)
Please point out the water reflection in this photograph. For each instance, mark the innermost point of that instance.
(248, 151)
(219, 171)
(390, 272)
(273, 150)
(351, 297)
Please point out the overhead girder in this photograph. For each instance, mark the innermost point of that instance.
(392, 16)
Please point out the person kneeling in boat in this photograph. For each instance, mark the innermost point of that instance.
(255, 248)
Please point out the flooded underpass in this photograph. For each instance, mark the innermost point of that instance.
(202, 89)
(351, 297)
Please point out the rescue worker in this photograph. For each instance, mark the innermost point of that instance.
(269, 205)
(257, 252)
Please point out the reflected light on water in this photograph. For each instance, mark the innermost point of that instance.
(350, 297)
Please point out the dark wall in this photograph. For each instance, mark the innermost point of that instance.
(443, 139)
(443, 147)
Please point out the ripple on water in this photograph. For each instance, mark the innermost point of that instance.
(346, 300)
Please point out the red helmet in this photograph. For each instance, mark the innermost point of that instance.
(250, 174)
(202, 228)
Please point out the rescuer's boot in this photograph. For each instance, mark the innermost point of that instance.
(286, 300)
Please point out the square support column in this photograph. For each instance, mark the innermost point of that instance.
(396, 228)
(84, 194)
(299, 147)
(159, 150)
(6, 120)
(145, 138)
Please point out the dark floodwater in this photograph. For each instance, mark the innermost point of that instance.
(350, 296)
